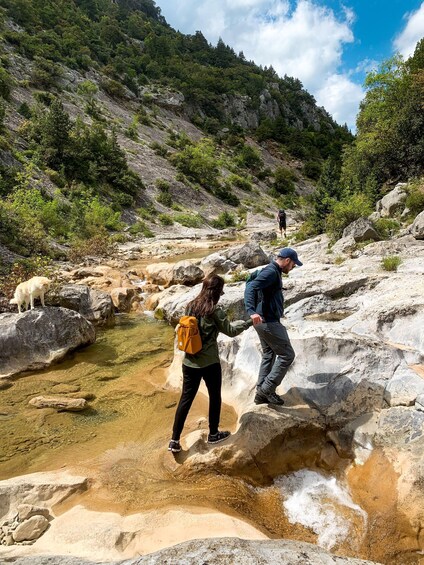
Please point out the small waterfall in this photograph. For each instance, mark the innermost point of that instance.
(322, 504)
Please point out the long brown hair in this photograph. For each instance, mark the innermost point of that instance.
(205, 302)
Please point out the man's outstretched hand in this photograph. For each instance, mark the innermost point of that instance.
(256, 319)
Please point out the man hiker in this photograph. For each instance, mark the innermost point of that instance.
(281, 217)
(265, 304)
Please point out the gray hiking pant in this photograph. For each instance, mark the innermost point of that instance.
(277, 355)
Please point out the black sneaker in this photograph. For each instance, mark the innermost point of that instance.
(273, 398)
(218, 437)
(174, 446)
(260, 398)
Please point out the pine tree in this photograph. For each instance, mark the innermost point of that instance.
(54, 132)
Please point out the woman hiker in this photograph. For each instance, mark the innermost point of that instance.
(205, 364)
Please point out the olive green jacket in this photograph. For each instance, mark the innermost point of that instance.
(210, 327)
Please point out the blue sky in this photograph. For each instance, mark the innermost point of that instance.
(328, 44)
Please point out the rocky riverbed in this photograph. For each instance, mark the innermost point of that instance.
(347, 445)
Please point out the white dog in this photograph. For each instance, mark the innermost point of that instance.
(28, 290)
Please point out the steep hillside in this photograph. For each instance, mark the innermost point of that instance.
(111, 118)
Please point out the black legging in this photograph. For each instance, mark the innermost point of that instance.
(212, 375)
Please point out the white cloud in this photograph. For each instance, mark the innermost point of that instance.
(406, 41)
(300, 38)
(340, 97)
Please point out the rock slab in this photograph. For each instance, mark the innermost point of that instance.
(37, 338)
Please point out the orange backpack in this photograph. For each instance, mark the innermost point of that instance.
(188, 335)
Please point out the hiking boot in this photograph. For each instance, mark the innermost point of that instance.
(260, 397)
(218, 437)
(174, 446)
(273, 398)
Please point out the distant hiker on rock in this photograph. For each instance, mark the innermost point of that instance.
(205, 363)
(282, 220)
(265, 304)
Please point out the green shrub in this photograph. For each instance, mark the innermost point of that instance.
(141, 227)
(226, 195)
(224, 220)
(240, 182)
(99, 245)
(6, 83)
(250, 158)
(98, 216)
(159, 149)
(165, 220)
(198, 163)
(283, 181)
(415, 198)
(113, 88)
(391, 262)
(132, 129)
(307, 229)
(165, 198)
(147, 212)
(24, 110)
(162, 184)
(345, 212)
(386, 227)
(312, 169)
(189, 220)
(239, 276)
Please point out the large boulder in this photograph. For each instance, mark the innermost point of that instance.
(125, 298)
(37, 338)
(217, 264)
(170, 305)
(31, 529)
(167, 274)
(361, 229)
(249, 255)
(267, 236)
(187, 273)
(96, 306)
(417, 229)
(393, 202)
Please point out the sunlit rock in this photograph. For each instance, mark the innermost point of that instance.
(37, 338)
(96, 306)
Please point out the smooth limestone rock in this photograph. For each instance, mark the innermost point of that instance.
(124, 298)
(181, 273)
(393, 201)
(417, 229)
(50, 488)
(31, 529)
(219, 551)
(361, 229)
(249, 255)
(59, 403)
(94, 305)
(26, 511)
(37, 338)
(229, 550)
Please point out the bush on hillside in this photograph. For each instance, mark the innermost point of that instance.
(345, 212)
(224, 220)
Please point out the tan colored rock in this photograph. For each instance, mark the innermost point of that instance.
(123, 298)
(31, 529)
(26, 511)
(59, 403)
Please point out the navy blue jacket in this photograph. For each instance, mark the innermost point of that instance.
(269, 286)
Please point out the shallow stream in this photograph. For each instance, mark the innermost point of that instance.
(120, 443)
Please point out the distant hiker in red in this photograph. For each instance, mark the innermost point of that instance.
(281, 217)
